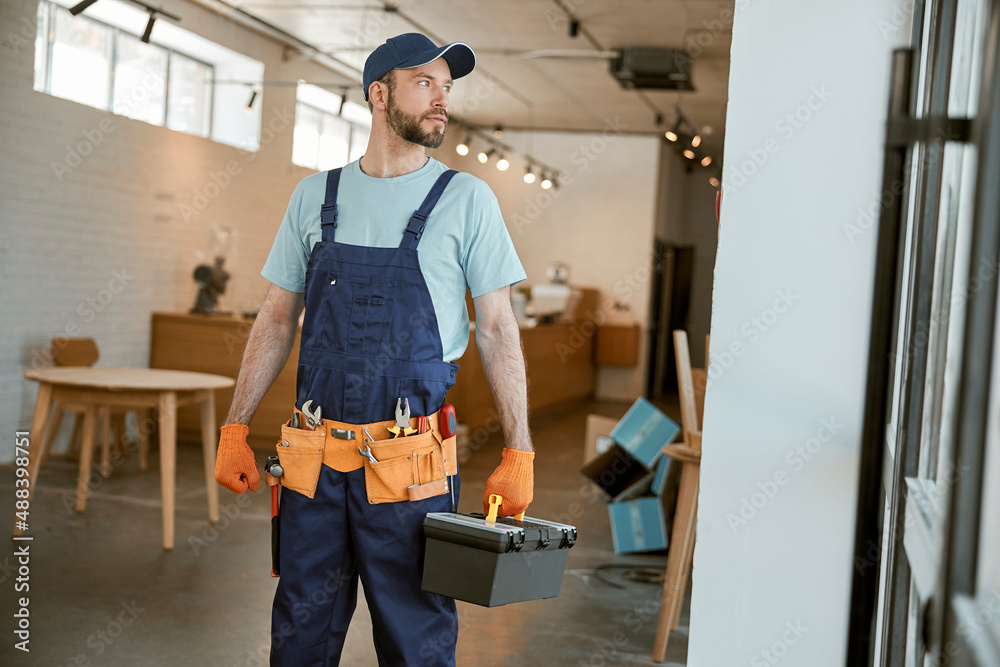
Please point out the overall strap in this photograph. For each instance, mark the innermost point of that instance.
(328, 215)
(415, 228)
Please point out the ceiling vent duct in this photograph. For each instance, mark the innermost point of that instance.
(660, 69)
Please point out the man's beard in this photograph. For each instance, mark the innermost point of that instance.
(408, 128)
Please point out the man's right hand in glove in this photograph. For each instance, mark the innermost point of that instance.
(235, 467)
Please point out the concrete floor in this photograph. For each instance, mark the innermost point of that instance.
(103, 591)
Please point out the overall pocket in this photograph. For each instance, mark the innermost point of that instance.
(301, 459)
(409, 468)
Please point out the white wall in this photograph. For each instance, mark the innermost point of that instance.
(773, 558)
(64, 237)
(600, 221)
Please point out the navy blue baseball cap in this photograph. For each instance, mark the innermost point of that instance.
(411, 50)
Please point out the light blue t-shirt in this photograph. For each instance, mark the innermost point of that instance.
(465, 243)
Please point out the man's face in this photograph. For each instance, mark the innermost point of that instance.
(417, 104)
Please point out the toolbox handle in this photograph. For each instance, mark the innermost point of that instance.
(495, 500)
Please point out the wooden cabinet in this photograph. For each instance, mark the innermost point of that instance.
(215, 344)
(617, 345)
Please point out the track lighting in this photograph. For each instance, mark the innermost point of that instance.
(714, 182)
(529, 176)
(707, 160)
(696, 141)
(671, 134)
(574, 27)
(502, 163)
(463, 148)
(81, 7)
(498, 131)
(688, 153)
(484, 156)
(149, 28)
(546, 183)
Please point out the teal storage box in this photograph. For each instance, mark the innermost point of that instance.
(660, 475)
(638, 525)
(644, 430)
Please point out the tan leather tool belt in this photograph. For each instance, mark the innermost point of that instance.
(405, 468)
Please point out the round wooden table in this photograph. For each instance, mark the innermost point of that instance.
(132, 388)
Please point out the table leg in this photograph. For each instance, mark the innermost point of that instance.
(86, 457)
(145, 419)
(104, 412)
(42, 405)
(208, 438)
(167, 406)
(53, 431)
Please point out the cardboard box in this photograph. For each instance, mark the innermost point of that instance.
(644, 430)
(638, 525)
(598, 436)
(618, 473)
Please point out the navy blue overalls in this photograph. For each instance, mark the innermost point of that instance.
(370, 336)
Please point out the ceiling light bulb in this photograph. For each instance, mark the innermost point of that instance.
(498, 131)
(714, 181)
(671, 136)
(482, 157)
(546, 184)
(529, 177)
(707, 160)
(502, 163)
(462, 149)
(696, 141)
(688, 153)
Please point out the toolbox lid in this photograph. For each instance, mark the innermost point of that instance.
(502, 536)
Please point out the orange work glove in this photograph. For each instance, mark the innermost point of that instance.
(514, 480)
(235, 467)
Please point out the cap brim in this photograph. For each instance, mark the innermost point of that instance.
(460, 57)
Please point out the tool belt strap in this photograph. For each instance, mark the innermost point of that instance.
(377, 430)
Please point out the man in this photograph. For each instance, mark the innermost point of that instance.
(380, 254)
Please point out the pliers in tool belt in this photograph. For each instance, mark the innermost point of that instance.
(402, 427)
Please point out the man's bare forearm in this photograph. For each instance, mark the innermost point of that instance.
(503, 364)
(270, 342)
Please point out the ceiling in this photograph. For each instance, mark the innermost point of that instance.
(553, 92)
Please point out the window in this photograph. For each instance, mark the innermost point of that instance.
(179, 80)
(329, 131)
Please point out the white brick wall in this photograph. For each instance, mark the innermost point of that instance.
(61, 241)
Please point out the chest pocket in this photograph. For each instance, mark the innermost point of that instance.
(371, 300)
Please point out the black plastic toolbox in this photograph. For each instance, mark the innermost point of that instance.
(494, 563)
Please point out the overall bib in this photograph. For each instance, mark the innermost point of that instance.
(370, 336)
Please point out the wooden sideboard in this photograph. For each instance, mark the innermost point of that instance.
(214, 344)
(559, 359)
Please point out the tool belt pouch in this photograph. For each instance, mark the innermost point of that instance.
(409, 468)
(301, 459)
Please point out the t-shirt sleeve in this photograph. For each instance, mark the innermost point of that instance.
(490, 261)
(286, 263)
